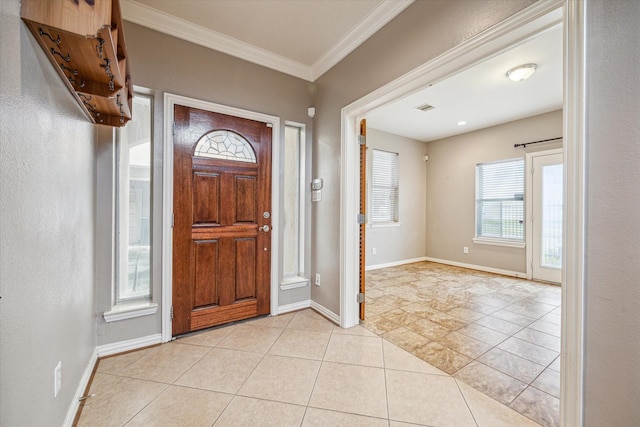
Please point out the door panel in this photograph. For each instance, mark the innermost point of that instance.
(206, 194)
(246, 199)
(206, 260)
(222, 184)
(547, 217)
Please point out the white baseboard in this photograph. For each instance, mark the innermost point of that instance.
(294, 306)
(326, 312)
(395, 263)
(128, 345)
(82, 386)
(478, 267)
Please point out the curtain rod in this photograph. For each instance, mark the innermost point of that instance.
(536, 142)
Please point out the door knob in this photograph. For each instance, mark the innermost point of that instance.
(264, 228)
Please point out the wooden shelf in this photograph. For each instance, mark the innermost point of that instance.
(84, 41)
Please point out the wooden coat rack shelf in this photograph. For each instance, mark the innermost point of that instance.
(84, 41)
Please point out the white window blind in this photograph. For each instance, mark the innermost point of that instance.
(384, 187)
(500, 200)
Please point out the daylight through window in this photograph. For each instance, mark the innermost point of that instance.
(500, 200)
(384, 187)
(134, 204)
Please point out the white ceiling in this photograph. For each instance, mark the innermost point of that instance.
(305, 38)
(482, 95)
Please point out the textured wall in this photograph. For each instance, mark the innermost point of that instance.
(612, 370)
(421, 32)
(451, 188)
(47, 311)
(404, 241)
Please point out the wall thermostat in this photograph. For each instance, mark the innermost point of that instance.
(316, 184)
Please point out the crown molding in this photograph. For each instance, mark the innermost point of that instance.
(168, 24)
(373, 22)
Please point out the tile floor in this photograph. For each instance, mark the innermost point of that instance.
(296, 369)
(497, 334)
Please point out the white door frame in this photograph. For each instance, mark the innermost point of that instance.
(170, 100)
(538, 17)
(528, 197)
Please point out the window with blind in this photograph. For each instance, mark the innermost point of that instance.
(384, 187)
(500, 200)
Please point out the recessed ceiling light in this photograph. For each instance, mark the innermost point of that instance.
(425, 107)
(521, 72)
(462, 123)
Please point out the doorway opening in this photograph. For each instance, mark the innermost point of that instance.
(530, 21)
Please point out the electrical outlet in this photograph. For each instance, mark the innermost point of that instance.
(57, 379)
(465, 250)
(317, 279)
(374, 251)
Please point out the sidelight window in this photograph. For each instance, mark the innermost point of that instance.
(293, 217)
(134, 219)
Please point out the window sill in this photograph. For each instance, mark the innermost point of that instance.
(130, 310)
(293, 283)
(499, 242)
(384, 224)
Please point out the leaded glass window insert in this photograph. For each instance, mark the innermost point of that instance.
(225, 145)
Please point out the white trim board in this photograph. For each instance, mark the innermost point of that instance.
(170, 100)
(80, 389)
(288, 308)
(128, 345)
(395, 263)
(537, 17)
(157, 20)
(511, 273)
(326, 312)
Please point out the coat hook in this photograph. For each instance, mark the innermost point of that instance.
(42, 33)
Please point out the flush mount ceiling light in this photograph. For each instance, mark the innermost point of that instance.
(521, 72)
(462, 123)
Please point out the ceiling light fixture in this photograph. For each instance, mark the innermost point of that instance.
(462, 123)
(521, 72)
(425, 107)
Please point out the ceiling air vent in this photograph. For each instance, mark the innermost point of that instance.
(425, 107)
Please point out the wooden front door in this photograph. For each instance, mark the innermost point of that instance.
(222, 219)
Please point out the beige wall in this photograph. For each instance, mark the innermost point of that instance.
(47, 207)
(612, 276)
(421, 32)
(450, 187)
(404, 241)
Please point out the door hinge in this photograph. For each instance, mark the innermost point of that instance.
(362, 219)
(360, 298)
(362, 139)
(172, 219)
(171, 314)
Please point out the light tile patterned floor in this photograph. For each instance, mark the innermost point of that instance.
(497, 334)
(296, 369)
